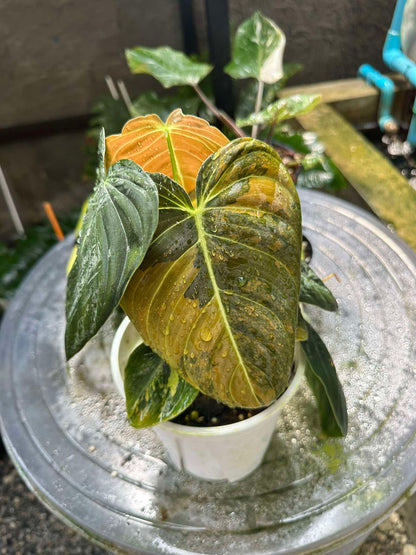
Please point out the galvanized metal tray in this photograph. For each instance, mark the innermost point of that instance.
(66, 430)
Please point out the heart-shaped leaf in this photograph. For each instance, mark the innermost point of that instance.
(117, 229)
(176, 148)
(217, 294)
(323, 379)
(154, 392)
(257, 50)
(168, 66)
(314, 291)
(285, 108)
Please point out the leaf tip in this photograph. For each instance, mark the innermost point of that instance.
(70, 349)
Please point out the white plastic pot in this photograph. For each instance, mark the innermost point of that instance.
(228, 452)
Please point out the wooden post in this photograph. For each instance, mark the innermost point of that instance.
(218, 30)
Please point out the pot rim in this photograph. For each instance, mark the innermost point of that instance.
(173, 427)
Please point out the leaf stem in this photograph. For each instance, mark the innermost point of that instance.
(126, 97)
(271, 131)
(257, 107)
(230, 123)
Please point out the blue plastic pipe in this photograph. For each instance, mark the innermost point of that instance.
(386, 87)
(411, 135)
(395, 59)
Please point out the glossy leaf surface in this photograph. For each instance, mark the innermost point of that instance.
(217, 294)
(168, 66)
(154, 392)
(314, 291)
(176, 148)
(117, 229)
(323, 379)
(257, 50)
(283, 109)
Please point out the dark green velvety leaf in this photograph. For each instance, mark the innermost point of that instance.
(168, 66)
(100, 173)
(283, 109)
(117, 229)
(322, 376)
(314, 291)
(217, 293)
(154, 391)
(257, 50)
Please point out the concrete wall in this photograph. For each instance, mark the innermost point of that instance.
(330, 37)
(54, 55)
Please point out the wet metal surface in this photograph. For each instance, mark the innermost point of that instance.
(66, 430)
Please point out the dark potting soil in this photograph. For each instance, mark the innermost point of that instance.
(205, 412)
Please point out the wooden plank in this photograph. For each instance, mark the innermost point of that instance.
(344, 89)
(381, 185)
(353, 98)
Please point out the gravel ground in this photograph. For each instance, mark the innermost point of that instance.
(390, 538)
(26, 527)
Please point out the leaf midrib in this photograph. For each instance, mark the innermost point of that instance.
(177, 175)
(205, 253)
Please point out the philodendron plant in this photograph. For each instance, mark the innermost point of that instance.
(199, 239)
(201, 246)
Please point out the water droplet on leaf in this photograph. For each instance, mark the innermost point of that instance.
(206, 334)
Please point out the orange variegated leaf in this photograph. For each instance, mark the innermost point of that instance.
(176, 148)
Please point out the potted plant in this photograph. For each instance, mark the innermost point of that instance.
(199, 239)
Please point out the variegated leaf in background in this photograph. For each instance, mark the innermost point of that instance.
(217, 293)
(281, 110)
(257, 50)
